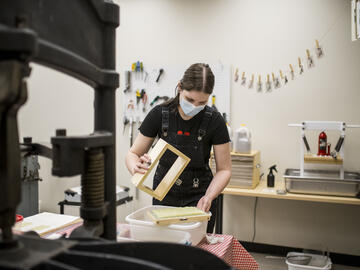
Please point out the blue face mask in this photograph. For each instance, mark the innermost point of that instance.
(189, 109)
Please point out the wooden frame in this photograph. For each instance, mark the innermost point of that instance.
(171, 176)
(201, 216)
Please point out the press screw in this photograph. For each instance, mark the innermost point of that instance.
(27, 139)
(61, 132)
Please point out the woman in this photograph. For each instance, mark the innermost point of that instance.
(193, 128)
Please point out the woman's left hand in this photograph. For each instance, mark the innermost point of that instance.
(204, 203)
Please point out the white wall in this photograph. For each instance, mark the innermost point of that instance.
(262, 37)
(255, 36)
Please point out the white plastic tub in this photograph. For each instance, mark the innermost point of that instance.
(197, 230)
(131, 233)
(318, 262)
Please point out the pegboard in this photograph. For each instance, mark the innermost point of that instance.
(166, 87)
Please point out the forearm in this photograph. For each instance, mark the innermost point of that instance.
(130, 160)
(219, 182)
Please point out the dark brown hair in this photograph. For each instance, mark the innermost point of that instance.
(198, 77)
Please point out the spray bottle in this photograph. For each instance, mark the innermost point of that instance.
(271, 177)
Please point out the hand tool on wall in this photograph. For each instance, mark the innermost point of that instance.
(131, 130)
(259, 84)
(338, 146)
(157, 98)
(144, 99)
(131, 111)
(133, 68)
(319, 51)
(125, 122)
(310, 61)
(127, 81)
(243, 79)
(154, 100)
(161, 71)
(213, 100)
(301, 67)
(236, 75)
(268, 83)
(138, 68)
(138, 97)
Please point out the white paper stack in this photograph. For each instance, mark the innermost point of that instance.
(242, 170)
(46, 223)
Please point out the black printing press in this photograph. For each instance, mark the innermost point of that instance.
(76, 37)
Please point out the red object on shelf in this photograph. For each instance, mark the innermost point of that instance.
(328, 149)
(19, 218)
(322, 144)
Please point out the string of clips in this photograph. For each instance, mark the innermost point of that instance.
(276, 81)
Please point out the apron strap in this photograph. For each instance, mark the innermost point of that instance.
(205, 122)
(165, 121)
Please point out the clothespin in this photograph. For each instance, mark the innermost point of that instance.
(236, 74)
(291, 71)
(243, 78)
(251, 83)
(309, 59)
(283, 77)
(300, 66)
(275, 80)
(268, 84)
(319, 51)
(259, 84)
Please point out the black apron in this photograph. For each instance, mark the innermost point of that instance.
(195, 179)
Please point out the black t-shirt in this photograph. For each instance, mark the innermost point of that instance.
(216, 132)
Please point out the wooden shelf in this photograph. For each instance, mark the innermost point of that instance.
(309, 158)
(262, 191)
(251, 154)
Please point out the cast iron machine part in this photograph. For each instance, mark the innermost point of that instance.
(87, 159)
(37, 31)
(13, 94)
(52, 33)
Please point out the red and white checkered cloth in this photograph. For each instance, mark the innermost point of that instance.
(232, 252)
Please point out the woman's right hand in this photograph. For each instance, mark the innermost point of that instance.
(142, 165)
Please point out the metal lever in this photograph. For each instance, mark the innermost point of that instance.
(306, 143)
(338, 146)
